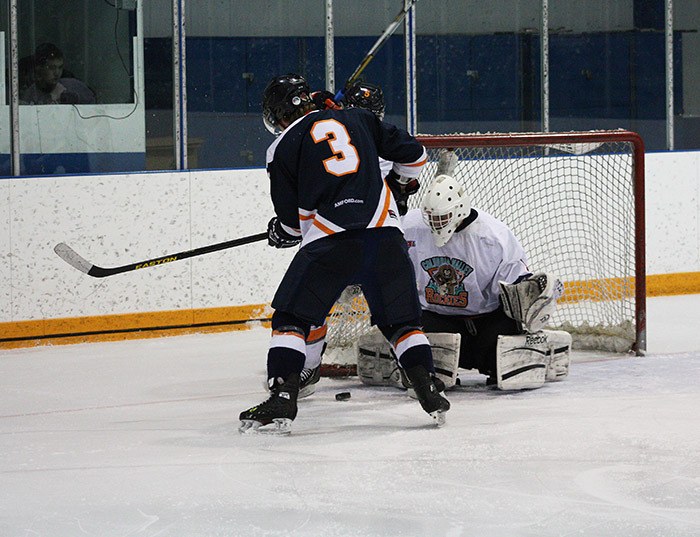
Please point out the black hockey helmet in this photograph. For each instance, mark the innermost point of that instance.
(283, 98)
(366, 95)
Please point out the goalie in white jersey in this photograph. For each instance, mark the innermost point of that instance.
(482, 307)
(460, 254)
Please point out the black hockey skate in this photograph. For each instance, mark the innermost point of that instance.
(275, 415)
(308, 380)
(428, 394)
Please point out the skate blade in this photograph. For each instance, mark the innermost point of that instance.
(306, 391)
(439, 417)
(278, 427)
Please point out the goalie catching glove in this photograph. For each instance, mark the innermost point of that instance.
(278, 237)
(401, 188)
(531, 301)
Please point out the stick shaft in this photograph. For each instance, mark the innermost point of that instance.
(377, 45)
(71, 257)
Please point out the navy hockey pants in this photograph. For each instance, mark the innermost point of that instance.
(377, 260)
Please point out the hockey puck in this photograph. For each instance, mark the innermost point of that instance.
(342, 396)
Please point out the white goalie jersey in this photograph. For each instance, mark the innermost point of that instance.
(462, 277)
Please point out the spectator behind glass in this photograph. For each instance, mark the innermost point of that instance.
(50, 86)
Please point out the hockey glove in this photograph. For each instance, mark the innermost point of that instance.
(325, 100)
(278, 237)
(402, 188)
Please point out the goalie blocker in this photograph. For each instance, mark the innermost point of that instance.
(523, 361)
(531, 301)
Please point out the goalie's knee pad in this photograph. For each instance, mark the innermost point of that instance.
(559, 356)
(526, 361)
(376, 364)
(532, 301)
(445, 348)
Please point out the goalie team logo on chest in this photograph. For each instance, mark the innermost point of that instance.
(446, 286)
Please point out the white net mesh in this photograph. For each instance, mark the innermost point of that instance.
(571, 201)
(349, 319)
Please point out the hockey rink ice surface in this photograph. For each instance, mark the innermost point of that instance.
(139, 438)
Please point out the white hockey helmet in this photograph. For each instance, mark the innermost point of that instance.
(444, 206)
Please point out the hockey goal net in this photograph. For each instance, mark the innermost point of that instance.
(576, 202)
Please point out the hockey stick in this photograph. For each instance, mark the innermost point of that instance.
(377, 45)
(74, 259)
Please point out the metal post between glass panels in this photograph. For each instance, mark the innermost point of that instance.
(179, 86)
(14, 90)
(330, 49)
(544, 66)
(410, 44)
(668, 26)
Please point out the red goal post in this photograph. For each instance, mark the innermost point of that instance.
(576, 202)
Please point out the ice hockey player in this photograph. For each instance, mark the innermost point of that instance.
(369, 96)
(366, 95)
(482, 306)
(334, 203)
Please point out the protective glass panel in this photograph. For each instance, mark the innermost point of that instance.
(686, 32)
(5, 129)
(607, 67)
(478, 66)
(81, 91)
(158, 82)
(233, 50)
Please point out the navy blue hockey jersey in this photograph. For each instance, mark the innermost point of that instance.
(325, 176)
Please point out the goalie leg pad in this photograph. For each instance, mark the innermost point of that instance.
(560, 354)
(525, 361)
(532, 301)
(445, 347)
(376, 364)
(519, 366)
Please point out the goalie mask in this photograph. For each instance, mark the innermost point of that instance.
(367, 96)
(444, 206)
(284, 97)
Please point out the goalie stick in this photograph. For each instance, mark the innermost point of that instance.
(74, 259)
(377, 45)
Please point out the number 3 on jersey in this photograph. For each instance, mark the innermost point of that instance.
(345, 159)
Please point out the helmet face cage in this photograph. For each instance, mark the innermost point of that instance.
(444, 206)
(436, 222)
(367, 96)
(282, 98)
